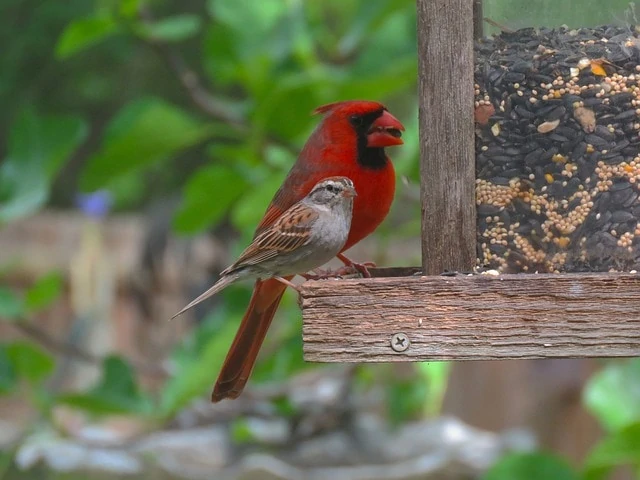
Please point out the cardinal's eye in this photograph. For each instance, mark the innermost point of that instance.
(356, 120)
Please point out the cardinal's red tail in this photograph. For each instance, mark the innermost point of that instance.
(244, 350)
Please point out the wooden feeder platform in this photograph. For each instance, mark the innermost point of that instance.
(420, 315)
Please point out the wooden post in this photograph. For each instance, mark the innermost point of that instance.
(478, 19)
(445, 68)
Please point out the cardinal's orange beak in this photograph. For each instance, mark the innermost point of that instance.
(386, 131)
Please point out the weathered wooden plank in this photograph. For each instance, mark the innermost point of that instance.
(445, 68)
(475, 317)
(478, 19)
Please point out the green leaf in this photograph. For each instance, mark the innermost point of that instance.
(221, 63)
(406, 160)
(7, 461)
(173, 29)
(531, 466)
(129, 8)
(11, 306)
(254, 18)
(253, 25)
(296, 89)
(248, 211)
(208, 196)
(620, 448)
(287, 357)
(436, 376)
(284, 407)
(144, 132)
(613, 394)
(370, 18)
(30, 361)
(116, 392)
(118, 381)
(8, 377)
(44, 292)
(128, 190)
(83, 33)
(405, 399)
(196, 368)
(240, 431)
(393, 81)
(38, 147)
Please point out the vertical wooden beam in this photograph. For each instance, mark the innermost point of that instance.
(447, 170)
(478, 19)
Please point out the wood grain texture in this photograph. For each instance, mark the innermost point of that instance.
(447, 168)
(478, 19)
(477, 317)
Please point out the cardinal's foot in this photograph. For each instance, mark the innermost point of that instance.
(351, 267)
(356, 268)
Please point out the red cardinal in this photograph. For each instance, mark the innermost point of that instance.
(349, 142)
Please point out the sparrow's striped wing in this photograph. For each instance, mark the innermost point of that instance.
(289, 232)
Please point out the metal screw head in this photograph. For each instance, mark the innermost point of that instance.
(400, 342)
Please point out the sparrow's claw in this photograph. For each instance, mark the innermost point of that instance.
(350, 268)
(320, 274)
(288, 283)
(310, 276)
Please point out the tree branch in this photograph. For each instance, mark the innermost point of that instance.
(192, 84)
(190, 80)
(68, 349)
(200, 96)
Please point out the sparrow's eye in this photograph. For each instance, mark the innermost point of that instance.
(331, 188)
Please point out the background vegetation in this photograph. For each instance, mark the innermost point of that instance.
(207, 102)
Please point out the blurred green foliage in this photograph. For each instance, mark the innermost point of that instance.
(613, 396)
(619, 448)
(38, 146)
(210, 100)
(116, 392)
(531, 466)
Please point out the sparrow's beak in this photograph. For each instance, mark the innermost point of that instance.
(385, 131)
(349, 192)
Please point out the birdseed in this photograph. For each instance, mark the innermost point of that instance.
(558, 150)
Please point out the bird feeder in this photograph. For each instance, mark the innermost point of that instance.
(530, 175)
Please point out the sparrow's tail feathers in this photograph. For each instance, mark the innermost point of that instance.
(226, 280)
(243, 353)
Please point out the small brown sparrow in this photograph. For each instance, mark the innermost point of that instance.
(304, 237)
